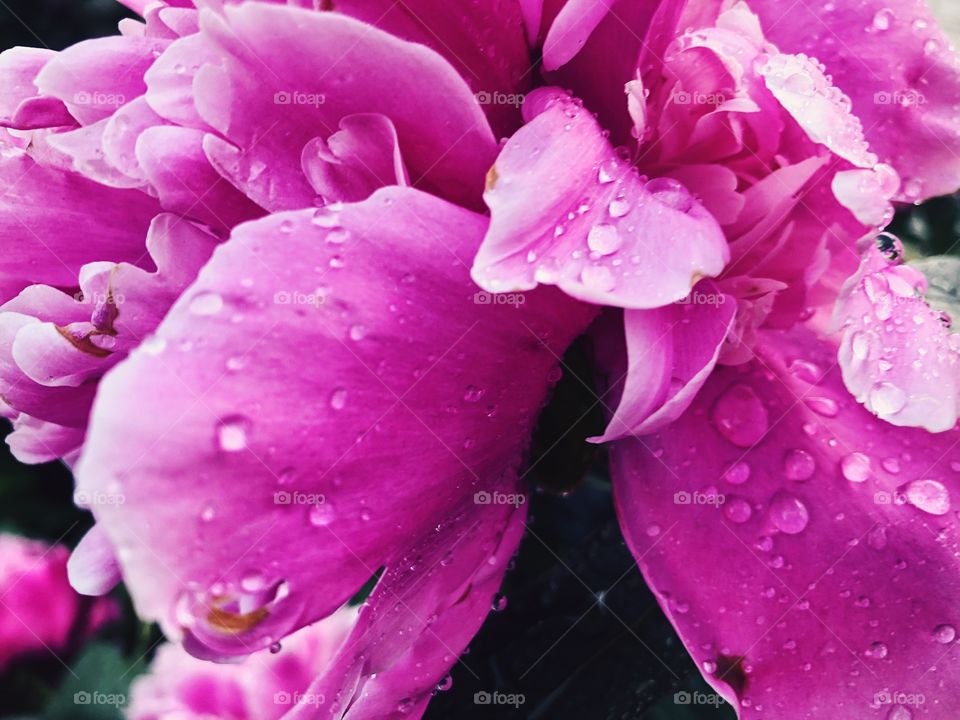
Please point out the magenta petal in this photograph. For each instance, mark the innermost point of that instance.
(175, 164)
(346, 454)
(92, 567)
(900, 72)
(20, 104)
(567, 211)
(422, 614)
(898, 355)
(671, 352)
(361, 157)
(792, 539)
(571, 29)
(285, 76)
(96, 77)
(44, 211)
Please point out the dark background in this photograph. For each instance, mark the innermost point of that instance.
(575, 634)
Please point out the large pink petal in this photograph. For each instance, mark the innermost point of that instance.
(897, 354)
(793, 540)
(898, 69)
(96, 77)
(405, 400)
(277, 77)
(38, 203)
(567, 211)
(20, 103)
(484, 41)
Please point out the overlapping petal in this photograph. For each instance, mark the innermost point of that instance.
(793, 540)
(352, 454)
(566, 210)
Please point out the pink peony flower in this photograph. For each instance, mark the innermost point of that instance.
(264, 686)
(309, 312)
(39, 612)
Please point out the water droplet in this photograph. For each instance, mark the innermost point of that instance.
(322, 514)
(275, 648)
(891, 465)
(928, 495)
(887, 399)
(286, 227)
(740, 416)
(900, 712)
(232, 433)
(206, 303)
(338, 398)
(737, 510)
(446, 682)
(358, 332)
(882, 20)
(208, 513)
(876, 651)
(944, 634)
(823, 406)
(788, 513)
(671, 193)
(154, 345)
(473, 394)
(604, 239)
(855, 467)
(618, 207)
(598, 277)
(799, 465)
(806, 371)
(499, 602)
(738, 473)
(405, 706)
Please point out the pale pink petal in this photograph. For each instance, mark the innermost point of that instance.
(898, 355)
(567, 211)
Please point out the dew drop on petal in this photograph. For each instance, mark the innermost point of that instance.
(338, 399)
(855, 467)
(322, 514)
(604, 239)
(928, 495)
(499, 602)
(738, 473)
(206, 303)
(887, 399)
(737, 510)
(232, 433)
(597, 277)
(876, 651)
(740, 416)
(799, 465)
(944, 634)
(788, 513)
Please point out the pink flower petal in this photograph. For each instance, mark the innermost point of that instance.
(671, 351)
(792, 539)
(261, 452)
(898, 355)
(567, 211)
(361, 157)
(900, 72)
